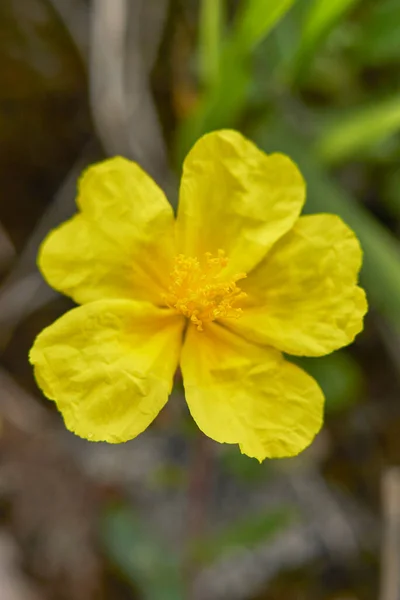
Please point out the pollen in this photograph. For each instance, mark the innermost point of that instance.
(200, 292)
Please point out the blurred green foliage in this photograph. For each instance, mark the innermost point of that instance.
(339, 376)
(247, 533)
(140, 556)
(255, 19)
(223, 100)
(378, 39)
(358, 129)
(319, 19)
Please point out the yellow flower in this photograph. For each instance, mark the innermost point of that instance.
(226, 287)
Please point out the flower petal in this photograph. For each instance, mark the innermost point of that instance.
(238, 392)
(121, 244)
(109, 366)
(236, 198)
(304, 294)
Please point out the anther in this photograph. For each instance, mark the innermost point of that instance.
(199, 292)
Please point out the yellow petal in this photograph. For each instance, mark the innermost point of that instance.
(235, 198)
(241, 393)
(109, 366)
(121, 244)
(304, 294)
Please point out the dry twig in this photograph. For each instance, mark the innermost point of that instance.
(121, 59)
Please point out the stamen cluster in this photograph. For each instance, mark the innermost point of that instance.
(199, 292)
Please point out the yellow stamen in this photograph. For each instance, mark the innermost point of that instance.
(200, 293)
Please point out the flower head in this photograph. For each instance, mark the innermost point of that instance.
(224, 289)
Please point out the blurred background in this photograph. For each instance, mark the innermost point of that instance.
(317, 79)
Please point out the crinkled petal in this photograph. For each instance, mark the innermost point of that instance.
(109, 366)
(235, 198)
(120, 245)
(303, 298)
(241, 393)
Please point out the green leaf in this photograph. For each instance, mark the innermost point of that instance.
(358, 130)
(142, 559)
(256, 19)
(321, 18)
(247, 533)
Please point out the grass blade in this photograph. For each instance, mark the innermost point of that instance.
(210, 40)
(359, 129)
(256, 19)
(321, 17)
(224, 101)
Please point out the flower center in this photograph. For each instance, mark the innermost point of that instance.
(199, 291)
